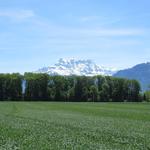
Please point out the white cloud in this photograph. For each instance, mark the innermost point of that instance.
(113, 32)
(55, 30)
(17, 14)
(91, 33)
(99, 20)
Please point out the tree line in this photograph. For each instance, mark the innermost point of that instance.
(42, 87)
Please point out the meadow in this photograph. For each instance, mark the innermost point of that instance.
(74, 126)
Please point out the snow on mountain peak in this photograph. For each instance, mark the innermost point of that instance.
(76, 67)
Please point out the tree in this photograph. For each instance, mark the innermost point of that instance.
(104, 94)
(147, 96)
(36, 86)
(118, 90)
(93, 93)
(133, 90)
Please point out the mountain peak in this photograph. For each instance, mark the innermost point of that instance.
(63, 61)
(76, 67)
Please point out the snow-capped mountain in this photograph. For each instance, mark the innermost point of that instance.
(76, 67)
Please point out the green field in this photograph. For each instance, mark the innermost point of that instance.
(46, 126)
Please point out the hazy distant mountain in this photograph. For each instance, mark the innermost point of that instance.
(76, 67)
(139, 72)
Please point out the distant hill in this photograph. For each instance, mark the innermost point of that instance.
(140, 72)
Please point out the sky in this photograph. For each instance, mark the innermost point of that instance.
(36, 33)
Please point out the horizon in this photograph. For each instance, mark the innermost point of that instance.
(36, 33)
(69, 59)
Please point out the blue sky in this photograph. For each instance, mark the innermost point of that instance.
(36, 33)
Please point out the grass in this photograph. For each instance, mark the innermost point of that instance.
(74, 126)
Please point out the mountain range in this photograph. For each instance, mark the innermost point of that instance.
(140, 72)
(77, 67)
